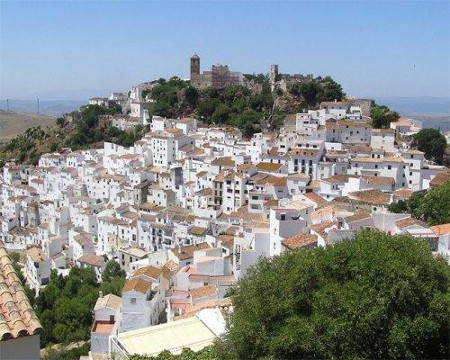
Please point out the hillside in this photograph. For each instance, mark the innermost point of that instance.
(251, 108)
(13, 123)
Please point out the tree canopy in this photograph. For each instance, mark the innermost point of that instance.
(433, 206)
(382, 116)
(65, 305)
(432, 143)
(373, 297)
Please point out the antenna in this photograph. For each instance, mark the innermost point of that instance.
(7, 105)
(37, 104)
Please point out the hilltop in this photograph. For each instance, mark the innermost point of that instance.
(251, 108)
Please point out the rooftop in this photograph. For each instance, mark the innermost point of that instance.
(17, 317)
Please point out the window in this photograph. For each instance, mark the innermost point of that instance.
(133, 301)
(389, 167)
(283, 217)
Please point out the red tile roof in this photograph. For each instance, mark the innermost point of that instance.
(17, 317)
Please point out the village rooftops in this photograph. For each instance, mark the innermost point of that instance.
(410, 221)
(136, 284)
(203, 291)
(223, 161)
(17, 317)
(187, 252)
(111, 301)
(93, 260)
(267, 166)
(373, 197)
(357, 217)
(198, 231)
(300, 241)
(150, 271)
(36, 254)
(442, 229)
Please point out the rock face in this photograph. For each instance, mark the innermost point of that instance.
(447, 156)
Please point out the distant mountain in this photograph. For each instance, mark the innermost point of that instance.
(53, 108)
(420, 105)
(428, 111)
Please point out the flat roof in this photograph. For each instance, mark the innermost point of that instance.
(174, 336)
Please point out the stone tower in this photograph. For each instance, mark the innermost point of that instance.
(195, 66)
(273, 76)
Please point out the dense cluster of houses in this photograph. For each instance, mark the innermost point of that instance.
(190, 208)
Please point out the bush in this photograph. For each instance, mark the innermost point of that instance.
(60, 122)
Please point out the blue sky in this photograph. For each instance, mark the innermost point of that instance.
(71, 50)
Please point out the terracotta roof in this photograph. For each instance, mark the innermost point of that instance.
(203, 291)
(339, 178)
(404, 223)
(226, 240)
(403, 193)
(300, 241)
(374, 197)
(112, 301)
(356, 217)
(92, 259)
(440, 179)
(187, 252)
(267, 166)
(224, 161)
(442, 229)
(36, 254)
(379, 180)
(150, 271)
(17, 317)
(198, 231)
(319, 200)
(137, 285)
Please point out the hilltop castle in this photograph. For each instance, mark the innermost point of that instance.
(219, 76)
(283, 81)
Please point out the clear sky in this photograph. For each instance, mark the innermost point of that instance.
(71, 50)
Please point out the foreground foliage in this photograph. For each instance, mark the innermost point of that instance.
(68, 354)
(433, 206)
(374, 297)
(208, 353)
(65, 305)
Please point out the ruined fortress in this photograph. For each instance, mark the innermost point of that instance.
(219, 77)
(284, 81)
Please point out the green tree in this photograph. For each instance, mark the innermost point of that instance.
(221, 114)
(311, 93)
(432, 143)
(382, 116)
(60, 121)
(398, 207)
(191, 95)
(332, 90)
(373, 297)
(433, 206)
(112, 270)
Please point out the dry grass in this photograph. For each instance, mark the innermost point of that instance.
(12, 124)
